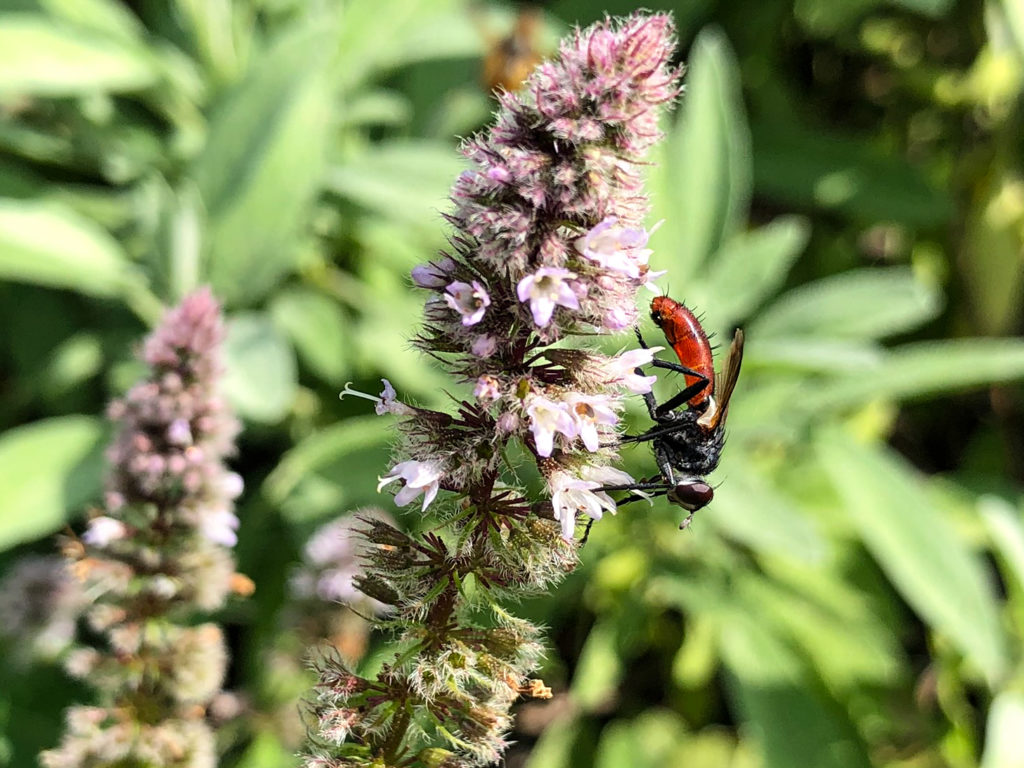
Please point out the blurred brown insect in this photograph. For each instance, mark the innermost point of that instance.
(509, 60)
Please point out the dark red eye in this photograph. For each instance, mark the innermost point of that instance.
(692, 495)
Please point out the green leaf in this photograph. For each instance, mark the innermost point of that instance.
(924, 369)
(769, 526)
(261, 166)
(795, 721)
(1006, 530)
(751, 266)
(919, 550)
(599, 669)
(109, 17)
(260, 379)
(402, 180)
(330, 445)
(859, 304)
(814, 355)
(49, 244)
(316, 325)
(416, 30)
(702, 183)
(650, 740)
(799, 166)
(43, 57)
(48, 469)
(1004, 747)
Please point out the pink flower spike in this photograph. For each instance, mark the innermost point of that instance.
(548, 417)
(419, 476)
(469, 300)
(589, 411)
(545, 289)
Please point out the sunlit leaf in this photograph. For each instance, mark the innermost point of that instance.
(599, 669)
(795, 720)
(648, 741)
(48, 244)
(859, 304)
(317, 327)
(702, 183)
(751, 266)
(262, 165)
(45, 57)
(404, 180)
(1004, 747)
(48, 470)
(924, 369)
(919, 550)
(1006, 528)
(260, 378)
(322, 448)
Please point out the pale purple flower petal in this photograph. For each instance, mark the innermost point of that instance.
(484, 346)
(419, 476)
(487, 389)
(468, 299)
(621, 370)
(102, 531)
(545, 289)
(588, 412)
(548, 417)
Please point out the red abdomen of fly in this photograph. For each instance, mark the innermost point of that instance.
(690, 342)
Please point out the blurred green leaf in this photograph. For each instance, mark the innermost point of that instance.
(416, 30)
(555, 747)
(651, 740)
(260, 379)
(814, 355)
(48, 470)
(267, 751)
(329, 445)
(107, 16)
(794, 719)
(918, 549)
(1006, 530)
(49, 244)
(44, 57)
(599, 669)
(701, 185)
(924, 369)
(859, 304)
(751, 266)
(1004, 747)
(316, 325)
(769, 526)
(1014, 14)
(262, 164)
(812, 168)
(827, 17)
(401, 180)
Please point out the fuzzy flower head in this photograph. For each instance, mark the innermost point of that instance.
(39, 604)
(616, 248)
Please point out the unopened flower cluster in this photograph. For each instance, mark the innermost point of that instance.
(157, 555)
(548, 242)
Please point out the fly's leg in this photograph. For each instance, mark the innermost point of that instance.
(679, 398)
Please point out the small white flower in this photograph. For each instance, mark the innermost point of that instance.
(470, 300)
(419, 476)
(546, 418)
(232, 485)
(588, 411)
(218, 524)
(621, 370)
(571, 495)
(616, 248)
(104, 530)
(545, 289)
(487, 389)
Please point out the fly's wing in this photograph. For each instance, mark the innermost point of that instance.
(730, 373)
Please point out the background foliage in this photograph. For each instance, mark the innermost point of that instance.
(843, 179)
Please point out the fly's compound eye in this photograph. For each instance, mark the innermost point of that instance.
(692, 495)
